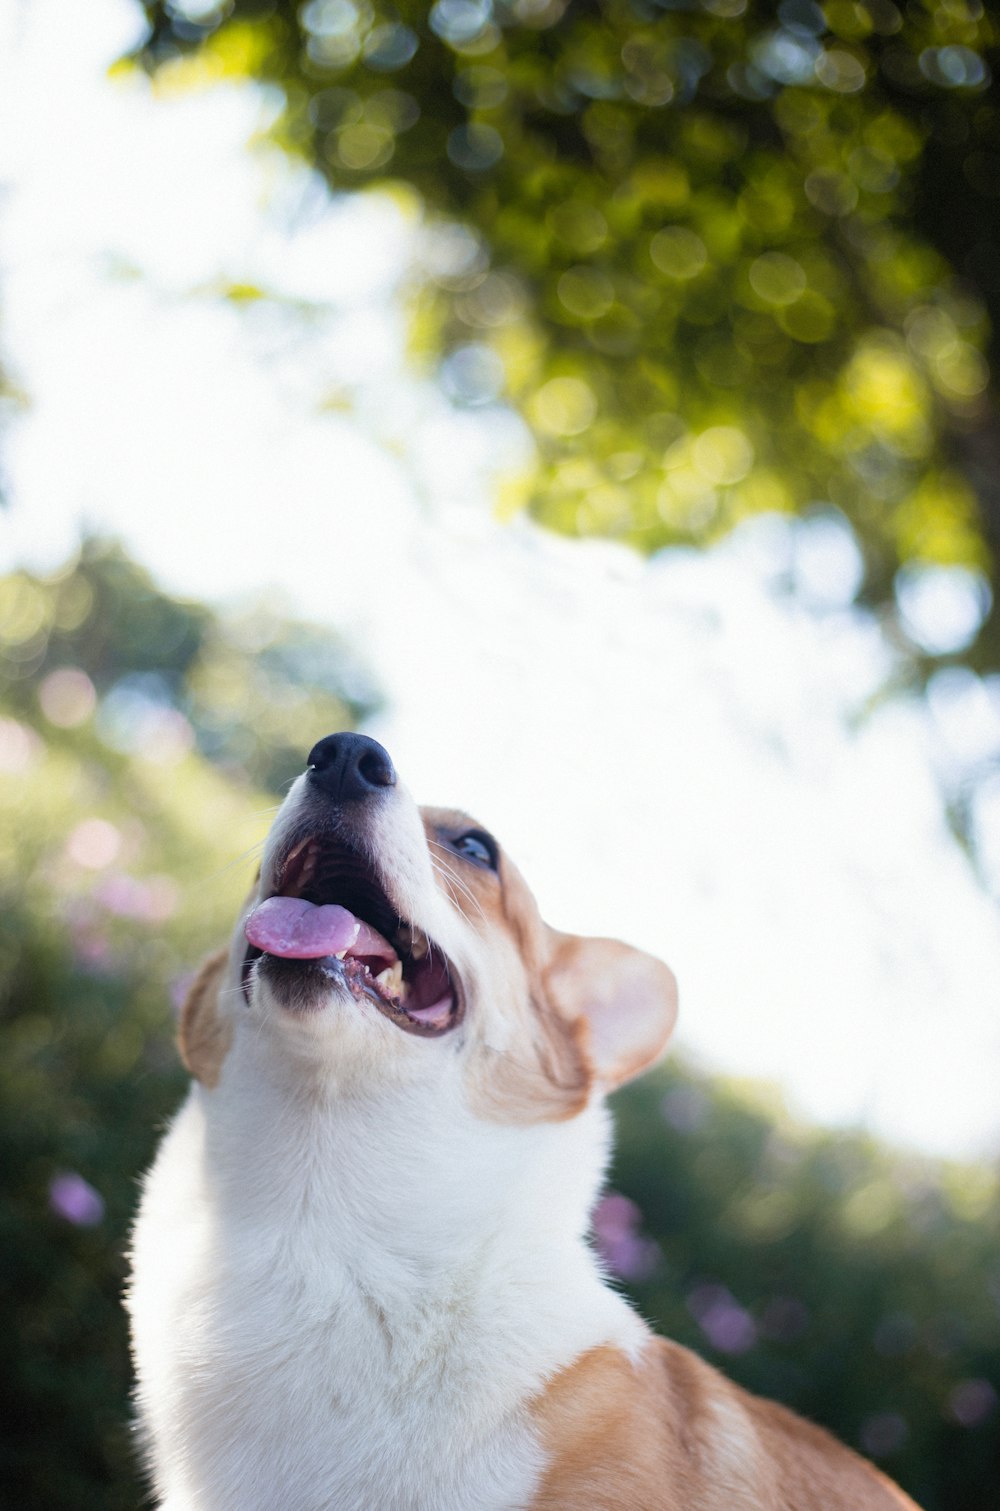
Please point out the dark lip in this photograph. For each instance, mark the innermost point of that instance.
(352, 879)
(299, 985)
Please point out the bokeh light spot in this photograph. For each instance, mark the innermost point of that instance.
(942, 608)
(24, 611)
(473, 374)
(20, 747)
(828, 565)
(616, 1222)
(685, 1108)
(364, 145)
(586, 292)
(564, 406)
(459, 22)
(389, 47)
(579, 225)
(74, 1199)
(840, 71)
(727, 1325)
(67, 697)
(954, 66)
(883, 1433)
(475, 147)
(678, 252)
(722, 454)
(777, 278)
(972, 1402)
(94, 843)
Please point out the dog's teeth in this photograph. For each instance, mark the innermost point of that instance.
(340, 955)
(309, 852)
(390, 981)
(412, 941)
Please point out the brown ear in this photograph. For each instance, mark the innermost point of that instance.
(628, 999)
(204, 1036)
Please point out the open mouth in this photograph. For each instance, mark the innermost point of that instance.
(330, 913)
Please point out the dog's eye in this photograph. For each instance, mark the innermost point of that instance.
(479, 847)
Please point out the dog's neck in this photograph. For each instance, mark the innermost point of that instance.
(347, 1278)
(401, 1187)
(355, 1272)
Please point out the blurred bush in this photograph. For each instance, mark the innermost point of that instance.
(142, 742)
(858, 1285)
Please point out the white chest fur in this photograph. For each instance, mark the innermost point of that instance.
(338, 1306)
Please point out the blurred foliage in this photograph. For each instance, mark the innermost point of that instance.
(142, 743)
(244, 689)
(724, 256)
(859, 1286)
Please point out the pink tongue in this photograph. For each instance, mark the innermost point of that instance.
(299, 930)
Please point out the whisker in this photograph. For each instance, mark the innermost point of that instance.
(250, 854)
(444, 870)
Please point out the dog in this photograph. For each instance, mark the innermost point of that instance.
(361, 1279)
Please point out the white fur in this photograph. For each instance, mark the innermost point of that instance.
(347, 1286)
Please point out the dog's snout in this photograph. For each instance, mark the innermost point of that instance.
(348, 766)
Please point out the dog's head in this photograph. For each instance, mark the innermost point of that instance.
(386, 940)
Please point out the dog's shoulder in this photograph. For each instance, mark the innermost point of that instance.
(667, 1432)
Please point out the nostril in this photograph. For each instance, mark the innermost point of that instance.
(376, 768)
(321, 756)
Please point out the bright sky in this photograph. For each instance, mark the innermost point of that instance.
(670, 749)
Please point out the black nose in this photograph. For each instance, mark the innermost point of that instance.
(346, 766)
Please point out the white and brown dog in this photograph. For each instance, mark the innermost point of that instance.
(361, 1276)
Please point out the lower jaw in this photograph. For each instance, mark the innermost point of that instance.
(306, 986)
(302, 986)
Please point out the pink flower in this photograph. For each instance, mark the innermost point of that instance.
(728, 1326)
(616, 1222)
(75, 1199)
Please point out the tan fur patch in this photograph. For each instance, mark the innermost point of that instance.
(577, 1011)
(672, 1434)
(203, 1036)
(545, 1073)
(548, 1080)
